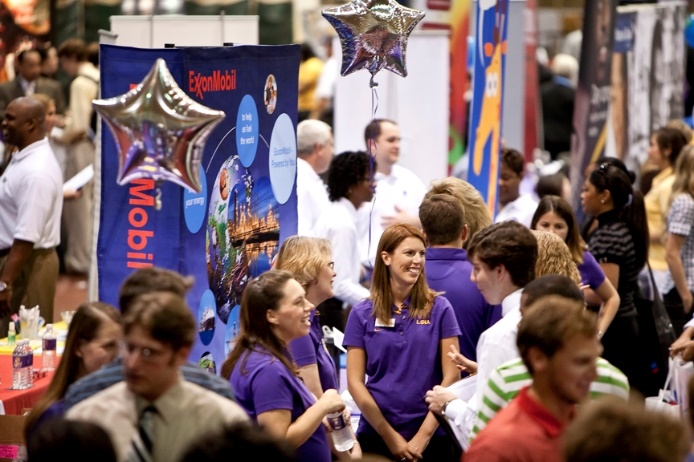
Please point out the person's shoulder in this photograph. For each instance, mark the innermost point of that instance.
(364, 306)
(405, 174)
(201, 396)
(100, 401)
(48, 83)
(204, 379)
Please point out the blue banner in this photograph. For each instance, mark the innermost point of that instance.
(487, 99)
(231, 230)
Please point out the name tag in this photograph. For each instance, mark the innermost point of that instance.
(391, 323)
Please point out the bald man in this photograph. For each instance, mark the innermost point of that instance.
(31, 202)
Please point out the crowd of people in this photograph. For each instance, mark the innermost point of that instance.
(517, 336)
(48, 137)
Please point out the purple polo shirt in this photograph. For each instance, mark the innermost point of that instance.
(402, 362)
(448, 271)
(265, 385)
(310, 349)
(591, 272)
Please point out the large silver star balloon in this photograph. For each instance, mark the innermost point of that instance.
(373, 34)
(160, 131)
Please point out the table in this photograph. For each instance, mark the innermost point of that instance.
(13, 402)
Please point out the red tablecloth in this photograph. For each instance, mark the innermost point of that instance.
(15, 401)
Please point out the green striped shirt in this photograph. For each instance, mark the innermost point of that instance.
(507, 380)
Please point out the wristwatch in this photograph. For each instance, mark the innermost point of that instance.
(4, 286)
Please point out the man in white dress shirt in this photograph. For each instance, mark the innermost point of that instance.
(31, 201)
(315, 151)
(399, 192)
(512, 204)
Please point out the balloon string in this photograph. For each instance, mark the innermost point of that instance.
(374, 108)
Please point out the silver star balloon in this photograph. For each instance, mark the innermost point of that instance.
(160, 131)
(373, 34)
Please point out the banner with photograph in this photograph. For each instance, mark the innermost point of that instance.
(487, 99)
(231, 230)
(592, 92)
(648, 72)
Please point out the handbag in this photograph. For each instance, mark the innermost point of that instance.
(656, 334)
(665, 401)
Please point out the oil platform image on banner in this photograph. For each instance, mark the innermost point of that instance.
(242, 233)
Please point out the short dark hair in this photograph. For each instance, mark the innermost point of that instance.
(346, 170)
(152, 279)
(242, 439)
(373, 129)
(73, 48)
(22, 54)
(513, 159)
(166, 317)
(442, 217)
(58, 439)
(510, 244)
(551, 284)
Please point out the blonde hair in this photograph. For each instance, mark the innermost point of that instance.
(554, 257)
(477, 215)
(684, 173)
(303, 257)
(681, 125)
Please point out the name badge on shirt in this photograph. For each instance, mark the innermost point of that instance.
(390, 323)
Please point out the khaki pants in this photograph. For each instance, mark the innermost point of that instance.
(78, 213)
(35, 285)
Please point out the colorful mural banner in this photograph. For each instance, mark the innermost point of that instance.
(231, 230)
(487, 99)
(592, 92)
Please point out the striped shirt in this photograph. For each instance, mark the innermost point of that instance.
(612, 242)
(508, 379)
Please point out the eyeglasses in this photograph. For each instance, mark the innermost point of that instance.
(146, 353)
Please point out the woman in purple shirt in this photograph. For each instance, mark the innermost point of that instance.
(555, 215)
(274, 311)
(399, 338)
(309, 259)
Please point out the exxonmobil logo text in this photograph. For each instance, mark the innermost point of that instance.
(218, 80)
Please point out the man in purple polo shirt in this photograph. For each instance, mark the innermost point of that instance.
(448, 269)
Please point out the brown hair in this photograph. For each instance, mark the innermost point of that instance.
(549, 322)
(561, 208)
(477, 216)
(165, 316)
(443, 219)
(261, 294)
(84, 328)
(421, 296)
(510, 244)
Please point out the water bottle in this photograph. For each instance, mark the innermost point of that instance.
(12, 334)
(48, 348)
(22, 365)
(342, 431)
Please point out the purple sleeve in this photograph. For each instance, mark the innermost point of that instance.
(591, 272)
(271, 389)
(356, 324)
(303, 351)
(449, 324)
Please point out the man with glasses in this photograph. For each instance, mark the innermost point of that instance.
(155, 415)
(142, 281)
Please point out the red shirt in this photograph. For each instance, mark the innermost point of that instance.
(524, 431)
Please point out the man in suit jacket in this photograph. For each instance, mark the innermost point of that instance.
(29, 81)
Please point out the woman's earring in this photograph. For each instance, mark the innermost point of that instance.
(602, 201)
